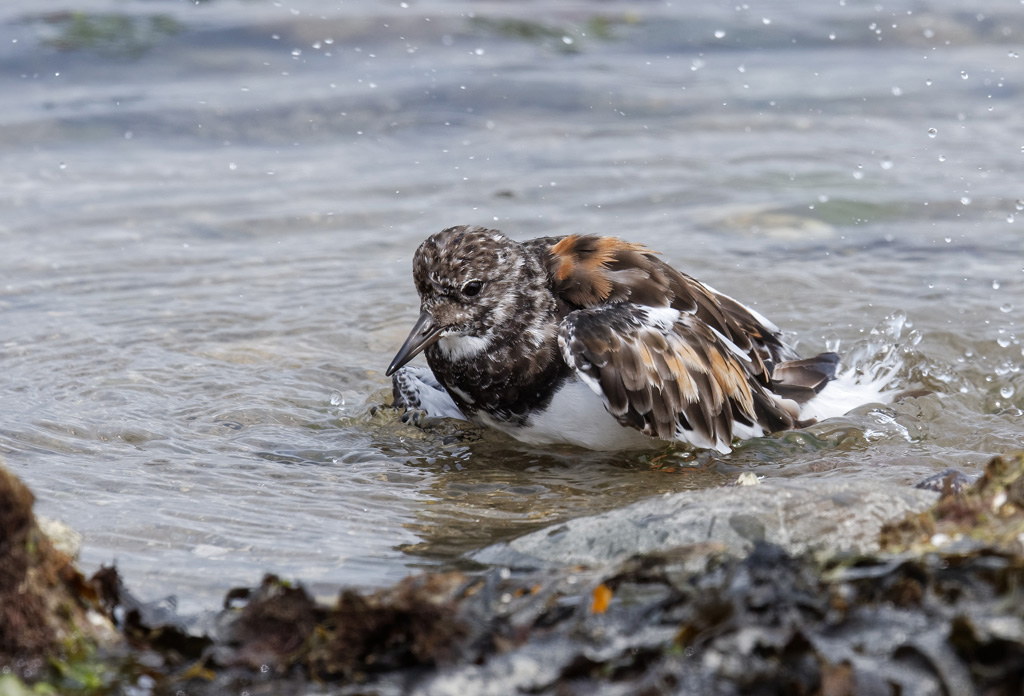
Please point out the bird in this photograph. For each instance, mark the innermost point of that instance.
(596, 342)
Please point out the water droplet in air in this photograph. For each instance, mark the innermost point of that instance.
(995, 284)
(1006, 308)
(567, 40)
(1006, 392)
(942, 158)
(765, 21)
(886, 164)
(63, 166)
(296, 52)
(831, 36)
(1010, 218)
(719, 33)
(965, 200)
(1020, 204)
(932, 132)
(896, 91)
(964, 75)
(337, 399)
(927, 83)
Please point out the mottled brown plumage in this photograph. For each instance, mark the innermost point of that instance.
(508, 326)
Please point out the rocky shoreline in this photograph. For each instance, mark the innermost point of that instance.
(789, 586)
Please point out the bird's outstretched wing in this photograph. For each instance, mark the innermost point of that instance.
(671, 375)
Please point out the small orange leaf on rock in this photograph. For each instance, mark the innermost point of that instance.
(602, 598)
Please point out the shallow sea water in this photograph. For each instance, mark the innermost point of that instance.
(209, 213)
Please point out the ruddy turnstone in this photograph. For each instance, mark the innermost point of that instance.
(596, 342)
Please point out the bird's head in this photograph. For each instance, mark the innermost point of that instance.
(467, 279)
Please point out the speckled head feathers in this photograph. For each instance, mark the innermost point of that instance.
(464, 276)
(446, 261)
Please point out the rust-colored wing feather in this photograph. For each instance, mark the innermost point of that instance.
(587, 271)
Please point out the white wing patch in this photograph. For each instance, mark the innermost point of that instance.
(662, 317)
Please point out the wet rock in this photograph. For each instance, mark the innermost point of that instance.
(64, 538)
(947, 481)
(798, 515)
(988, 514)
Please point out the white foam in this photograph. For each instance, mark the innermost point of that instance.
(849, 390)
(870, 375)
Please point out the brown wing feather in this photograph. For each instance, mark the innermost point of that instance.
(588, 270)
(678, 380)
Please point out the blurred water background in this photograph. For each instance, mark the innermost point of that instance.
(209, 211)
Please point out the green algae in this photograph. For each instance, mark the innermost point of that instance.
(109, 34)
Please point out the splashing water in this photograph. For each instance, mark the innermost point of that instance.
(870, 374)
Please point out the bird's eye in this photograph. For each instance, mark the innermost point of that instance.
(472, 288)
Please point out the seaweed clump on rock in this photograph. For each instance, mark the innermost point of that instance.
(46, 607)
(989, 514)
(689, 619)
(678, 622)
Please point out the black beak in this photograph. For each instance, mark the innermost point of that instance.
(423, 335)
